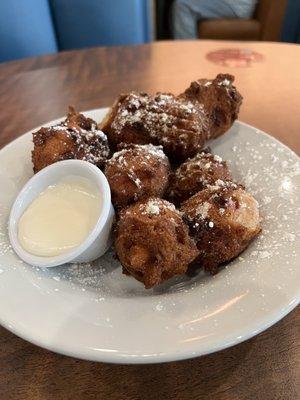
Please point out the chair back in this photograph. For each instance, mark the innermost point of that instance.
(37, 27)
(26, 29)
(270, 14)
(87, 23)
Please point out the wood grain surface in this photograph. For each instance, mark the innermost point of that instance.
(36, 90)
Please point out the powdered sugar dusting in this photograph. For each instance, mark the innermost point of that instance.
(155, 206)
(202, 210)
(129, 161)
(217, 158)
(272, 181)
(224, 82)
(159, 115)
(88, 142)
(152, 208)
(142, 149)
(200, 168)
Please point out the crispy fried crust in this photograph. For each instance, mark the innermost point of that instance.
(223, 220)
(195, 175)
(179, 125)
(137, 172)
(75, 138)
(152, 242)
(220, 99)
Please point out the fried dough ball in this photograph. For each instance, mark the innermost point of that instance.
(220, 99)
(195, 175)
(137, 172)
(223, 219)
(179, 125)
(152, 242)
(75, 138)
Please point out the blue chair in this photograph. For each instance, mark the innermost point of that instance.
(36, 27)
(87, 23)
(26, 29)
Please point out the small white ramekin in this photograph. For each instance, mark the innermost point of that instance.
(99, 239)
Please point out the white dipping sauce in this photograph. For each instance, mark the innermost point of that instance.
(60, 218)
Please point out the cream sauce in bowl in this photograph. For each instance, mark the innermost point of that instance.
(63, 214)
(60, 218)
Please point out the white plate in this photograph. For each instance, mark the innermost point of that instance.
(96, 313)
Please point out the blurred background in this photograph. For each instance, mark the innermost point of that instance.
(37, 27)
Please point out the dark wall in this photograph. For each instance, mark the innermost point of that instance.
(291, 23)
(163, 19)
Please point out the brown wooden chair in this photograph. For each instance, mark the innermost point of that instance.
(265, 25)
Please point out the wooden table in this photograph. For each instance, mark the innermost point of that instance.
(37, 90)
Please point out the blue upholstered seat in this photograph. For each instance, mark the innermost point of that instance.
(35, 27)
(86, 23)
(26, 29)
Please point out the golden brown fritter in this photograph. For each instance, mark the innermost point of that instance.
(223, 219)
(75, 138)
(179, 125)
(195, 175)
(220, 99)
(152, 242)
(137, 172)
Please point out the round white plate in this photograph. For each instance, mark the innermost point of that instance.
(96, 313)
